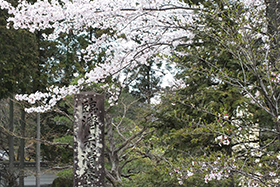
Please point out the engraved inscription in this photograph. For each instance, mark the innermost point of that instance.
(88, 141)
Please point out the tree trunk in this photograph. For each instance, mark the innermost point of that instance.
(11, 139)
(21, 149)
(38, 152)
(113, 175)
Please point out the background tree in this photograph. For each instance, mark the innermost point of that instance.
(228, 98)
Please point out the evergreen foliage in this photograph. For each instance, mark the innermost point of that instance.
(19, 54)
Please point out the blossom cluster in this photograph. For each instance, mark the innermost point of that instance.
(219, 169)
(253, 183)
(276, 77)
(222, 140)
(118, 15)
(55, 94)
(49, 99)
(113, 93)
(216, 175)
(180, 175)
(222, 167)
(216, 170)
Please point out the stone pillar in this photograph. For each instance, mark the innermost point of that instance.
(89, 140)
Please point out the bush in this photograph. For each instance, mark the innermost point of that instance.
(65, 179)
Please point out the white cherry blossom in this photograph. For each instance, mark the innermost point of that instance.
(145, 20)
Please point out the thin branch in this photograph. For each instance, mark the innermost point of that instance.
(64, 114)
(129, 140)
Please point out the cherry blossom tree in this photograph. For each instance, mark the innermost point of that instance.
(137, 31)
